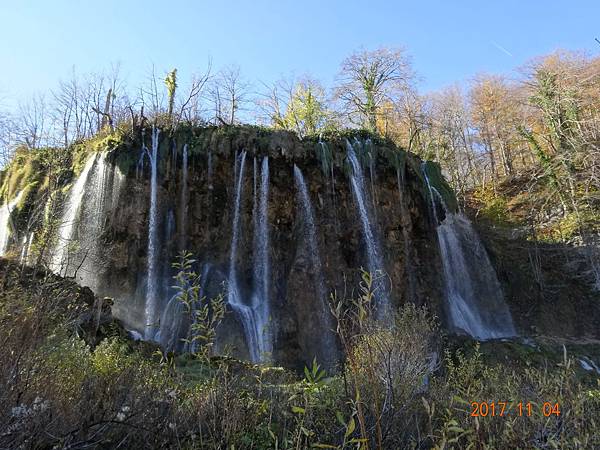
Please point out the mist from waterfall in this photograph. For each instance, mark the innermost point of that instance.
(474, 296)
(150, 307)
(374, 257)
(69, 219)
(5, 225)
(310, 236)
(171, 323)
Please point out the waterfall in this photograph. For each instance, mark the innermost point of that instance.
(150, 309)
(101, 195)
(327, 156)
(209, 171)
(26, 248)
(139, 167)
(69, 217)
(375, 260)
(310, 233)
(254, 317)
(168, 328)
(233, 295)
(117, 183)
(255, 175)
(368, 145)
(408, 251)
(262, 276)
(92, 220)
(184, 196)
(475, 301)
(208, 204)
(5, 224)
(169, 334)
(23, 249)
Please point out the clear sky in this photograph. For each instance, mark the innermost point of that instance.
(449, 41)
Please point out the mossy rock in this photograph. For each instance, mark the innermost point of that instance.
(437, 181)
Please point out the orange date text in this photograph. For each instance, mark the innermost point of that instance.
(520, 409)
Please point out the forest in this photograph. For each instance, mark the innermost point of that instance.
(208, 261)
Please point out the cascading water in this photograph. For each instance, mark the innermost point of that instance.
(260, 297)
(234, 298)
(23, 249)
(169, 336)
(209, 174)
(310, 233)
(90, 222)
(408, 250)
(184, 196)
(369, 150)
(475, 301)
(375, 260)
(327, 163)
(254, 317)
(26, 248)
(171, 319)
(5, 225)
(150, 308)
(69, 219)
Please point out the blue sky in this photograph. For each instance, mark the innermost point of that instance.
(449, 41)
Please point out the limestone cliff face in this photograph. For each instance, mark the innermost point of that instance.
(98, 222)
(400, 217)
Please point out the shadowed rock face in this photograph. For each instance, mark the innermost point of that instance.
(295, 323)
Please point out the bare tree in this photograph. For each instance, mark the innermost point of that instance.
(32, 122)
(368, 79)
(229, 93)
(8, 137)
(271, 103)
(191, 109)
(151, 98)
(451, 139)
